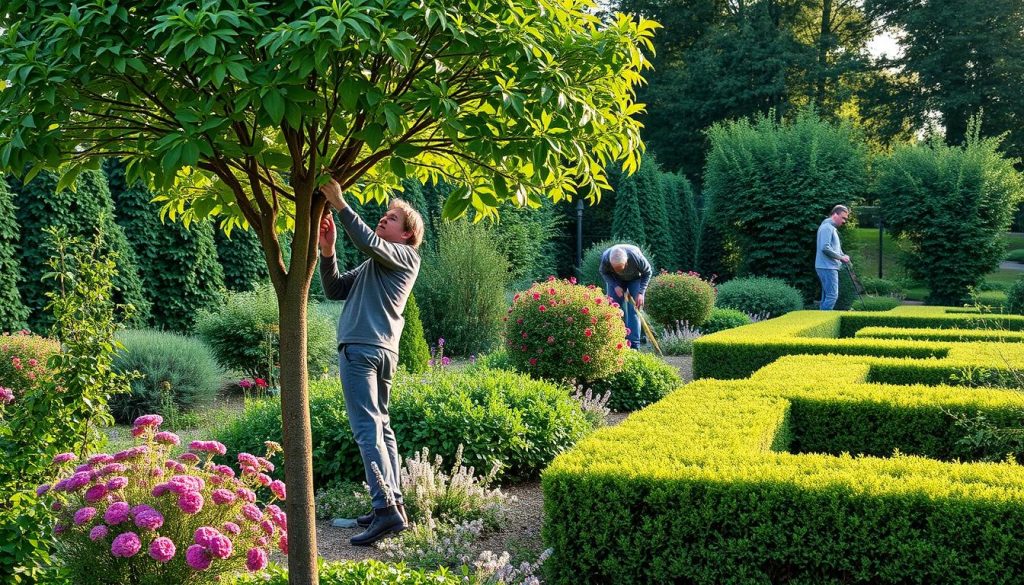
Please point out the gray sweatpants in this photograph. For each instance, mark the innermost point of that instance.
(366, 374)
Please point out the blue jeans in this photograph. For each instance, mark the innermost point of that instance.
(629, 315)
(829, 287)
(366, 373)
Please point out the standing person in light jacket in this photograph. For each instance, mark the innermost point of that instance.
(625, 269)
(829, 257)
(370, 326)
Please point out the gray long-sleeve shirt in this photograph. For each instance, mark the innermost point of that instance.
(637, 266)
(375, 291)
(829, 251)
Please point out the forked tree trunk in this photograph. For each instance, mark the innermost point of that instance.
(296, 433)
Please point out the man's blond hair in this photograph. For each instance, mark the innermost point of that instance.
(413, 222)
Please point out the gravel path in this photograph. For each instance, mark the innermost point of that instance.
(522, 530)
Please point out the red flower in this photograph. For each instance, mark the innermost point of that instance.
(552, 291)
(551, 339)
(619, 346)
(522, 347)
(593, 320)
(519, 321)
(597, 301)
(569, 320)
(533, 361)
(524, 334)
(586, 358)
(536, 296)
(516, 298)
(261, 383)
(551, 277)
(542, 308)
(586, 311)
(588, 332)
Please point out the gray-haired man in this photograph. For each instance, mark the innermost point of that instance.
(625, 269)
(829, 257)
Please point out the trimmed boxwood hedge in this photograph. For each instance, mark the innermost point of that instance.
(736, 353)
(764, 481)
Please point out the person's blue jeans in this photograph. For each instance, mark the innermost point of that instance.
(629, 315)
(366, 373)
(829, 287)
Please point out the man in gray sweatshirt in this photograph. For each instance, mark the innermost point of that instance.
(370, 326)
(625, 270)
(829, 257)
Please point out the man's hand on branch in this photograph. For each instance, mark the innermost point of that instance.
(328, 235)
(332, 191)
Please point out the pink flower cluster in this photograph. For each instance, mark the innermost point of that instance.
(247, 384)
(137, 502)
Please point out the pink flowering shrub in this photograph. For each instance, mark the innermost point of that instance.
(23, 358)
(141, 516)
(676, 296)
(559, 330)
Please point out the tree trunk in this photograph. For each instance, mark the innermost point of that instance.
(824, 46)
(296, 431)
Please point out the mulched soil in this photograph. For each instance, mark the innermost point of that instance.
(521, 532)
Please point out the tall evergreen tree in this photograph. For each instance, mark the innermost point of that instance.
(241, 258)
(13, 312)
(82, 212)
(650, 183)
(958, 59)
(178, 266)
(413, 352)
(627, 223)
(682, 213)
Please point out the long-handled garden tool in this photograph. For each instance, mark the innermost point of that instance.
(643, 323)
(857, 286)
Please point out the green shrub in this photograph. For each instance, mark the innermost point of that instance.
(461, 289)
(499, 417)
(644, 379)
(526, 237)
(496, 360)
(1015, 297)
(679, 297)
(560, 331)
(758, 295)
(721, 319)
(770, 184)
(13, 312)
(875, 303)
(589, 272)
(82, 211)
(951, 205)
(1015, 255)
(882, 287)
(241, 257)
(642, 214)
(176, 372)
(413, 352)
(23, 360)
(369, 572)
(345, 499)
(243, 335)
(177, 264)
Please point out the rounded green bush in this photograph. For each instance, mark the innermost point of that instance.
(644, 379)
(172, 367)
(875, 303)
(675, 297)
(882, 286)
(495, 360)
(1015, 297)
(23, 360)
(758, 295)
(589, 271)
(722, 319)
(560, 331)
(413, 352)
(498, 416)
(243, 334)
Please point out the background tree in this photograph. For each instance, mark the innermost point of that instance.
(772, 184)
(177, 264)
(241, 259)
(13, 312)
(216, 103)
(86, 210)
(952, 205)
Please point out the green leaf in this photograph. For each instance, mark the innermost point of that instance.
(273, 104)
(456, 204)
(398, 167)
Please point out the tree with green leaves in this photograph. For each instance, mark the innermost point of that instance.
(13, 312)
(177, 264)
(683, 222)
(243, 109)
(82, 212)
(241, 259)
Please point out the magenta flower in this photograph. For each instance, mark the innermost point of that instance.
(84, 515)
(246, 494)
(149, 520)
(188, 458)
(204, 534)
(6, 395)
(186, 483)
(221, 547)
(248, 460)
(222, 496)
(190, 502)
(268, 527)
(162, 549)
(117, 483)
(98, 532)
(224, 470)
(278, 516)
(167, 438)
(245, 384)
(198, 557)
(282, 544)
(212, 447)
(59, 529)
(256, 559)
(116, 513)
(263, 479)
(160, 489)
(252, 512)
(445, 360)
(125, 545)
(95, 493)
(278, 489)
(232, 528)
(110, 468)
(131, 453)
(140, 509)
(148, 420)
(100, 459)
(41, 490)
(64, 458)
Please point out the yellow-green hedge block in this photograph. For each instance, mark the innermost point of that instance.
(764, 481)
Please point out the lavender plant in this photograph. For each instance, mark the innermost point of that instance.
(594, 405)
(454, 497)
(679, 340)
